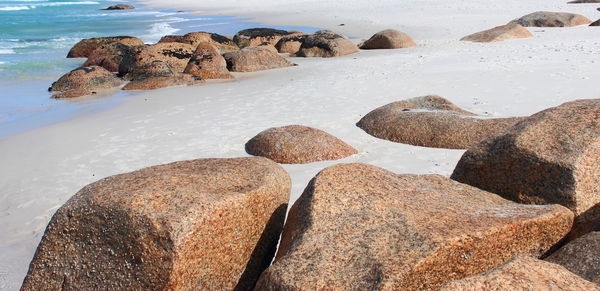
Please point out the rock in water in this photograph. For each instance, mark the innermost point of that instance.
(388, 39)
(253, 58)
(176, 55)
(109, 56)
(297, 144)
(551, 19)
(499, 33)
(207, 224)
(207, 63)
(581, 256)
(523, 273)
(120, 7)
(158, 74)
(290, 44)
(85, 47)
(257, 36)
(431, 121)
(326, 44)
(84, 81)
(359, 227)
(550, 157)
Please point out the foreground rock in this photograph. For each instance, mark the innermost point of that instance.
(208, 224)
(290, 44)
(431, 121)
(252, 59)
(326, 44)
(84, 81)
(359, 227)
(85, 47)
(158, 74)
(120, 7)
(297, 144)
(551, 19)
(581, 256)
(222, 43)
(388, 39)
(499, 33)
(523, 273)
(550, 157)
(207, 63)
(109, 56)
(176, 55)
(258, 36)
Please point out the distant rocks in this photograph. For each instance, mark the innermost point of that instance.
(85, 47)
(297, 144)
(158, 74)
(523, 273)
(431, 121)
(119, 7)
(207, 63)
(499, 33)
(84, 81)
(326, 44)
(258, 36)
(551, 157)
(388, 39)
(551, 19)
(359, 227)
(208, 224)
(176, 55)
(222, 43)
(252, 59)
(581, 256)
(290, 44)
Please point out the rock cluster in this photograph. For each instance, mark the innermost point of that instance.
(223, 43)
(258, 36)
(207, 63)
(158, 74)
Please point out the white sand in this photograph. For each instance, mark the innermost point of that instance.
(41, 169)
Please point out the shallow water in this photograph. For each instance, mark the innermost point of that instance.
(35, 36)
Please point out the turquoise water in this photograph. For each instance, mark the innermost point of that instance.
(35, 36)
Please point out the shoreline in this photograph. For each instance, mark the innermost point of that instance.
(44, 167)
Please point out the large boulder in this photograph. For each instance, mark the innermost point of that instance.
(223, 43)
(550, 157)
(388, 39)
(252, 59)
(207, 224)
(297, 144)
(85, 47)
(359, 227)
(84, 81)
(290, 44)
(120, 7)
(499, 33)
(158, 74)
(551, 19)
(523, 273)
(326, 44)
(109, 56)
(581, 256)
(257, 36)
(207, 63)
(431, 121)
(176, 55)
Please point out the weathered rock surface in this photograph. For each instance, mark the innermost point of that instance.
(297, 144)
(523, 273)
(431, 121)
(388, 39)
(581, 256)
(85, 47)
(223, 43)
(550, 157)
(120, 7)
(208, 224)
(257, 36)
(326, 44)
(176, 55)
(171, 38)
(359, 227)
(290, 44)
(595, 23)
(158, 74)
(109, 56)
(499, 33)
(551, 19)
(207, 63)
(84, 81)
(253, 58)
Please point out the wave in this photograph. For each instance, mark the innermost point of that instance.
(157, 31)
(48, 4)
(7, 51)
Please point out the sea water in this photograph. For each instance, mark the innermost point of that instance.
(35, 36)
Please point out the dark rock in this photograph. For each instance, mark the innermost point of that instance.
(257, 36)
(551, 19)
(120, 7)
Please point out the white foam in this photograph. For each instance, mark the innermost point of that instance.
(15, 8)
(7, 51)
(157, 31)
(33, 6)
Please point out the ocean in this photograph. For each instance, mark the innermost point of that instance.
(35, 36)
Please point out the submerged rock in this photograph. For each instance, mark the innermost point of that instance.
(207, 224)
(499, 33)
(388, 39)
(551, 19)
(257, 36)
(207, 63)
(297, 144)
(359, 227)
(581, 256)
(252, 59)
(84, 81)
(85, 47)
(326, 44)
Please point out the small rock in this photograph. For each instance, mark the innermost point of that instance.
(252, 59)
(207, 63)
(388, 39)
(297, 144)
(499, 33)
(581, 256)
(523, 273)
(551, 19)
(360, 227)
(257, 36)
(83, 81)
(85, 47)
(326, 44)
(120, 7)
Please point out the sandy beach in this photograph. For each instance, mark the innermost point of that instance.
(42, 168)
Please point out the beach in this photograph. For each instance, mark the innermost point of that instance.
(42, 168)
